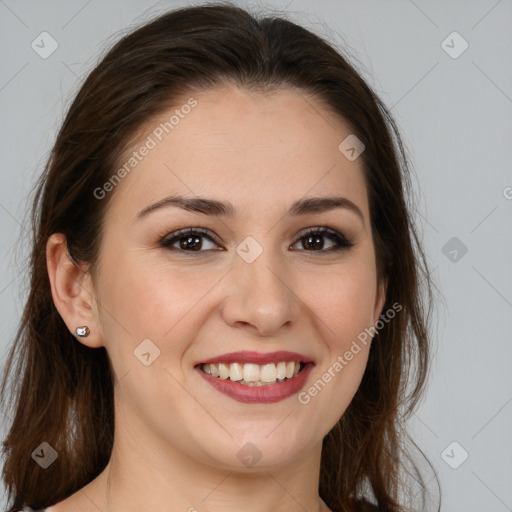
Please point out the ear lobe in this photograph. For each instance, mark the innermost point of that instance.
(72, 291)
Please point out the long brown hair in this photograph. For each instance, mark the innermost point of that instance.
(61, 392)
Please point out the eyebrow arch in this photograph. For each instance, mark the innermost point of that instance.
(218, 208)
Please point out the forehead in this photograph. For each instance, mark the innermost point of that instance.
(246, 147)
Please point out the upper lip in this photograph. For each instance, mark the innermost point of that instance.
(246, 356)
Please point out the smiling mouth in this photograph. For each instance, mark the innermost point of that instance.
(250, 374)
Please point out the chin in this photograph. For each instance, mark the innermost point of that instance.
(261, 449)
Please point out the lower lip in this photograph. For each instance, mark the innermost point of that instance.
(259, 394)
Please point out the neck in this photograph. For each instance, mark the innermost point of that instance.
(142, 474)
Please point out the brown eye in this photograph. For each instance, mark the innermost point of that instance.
(314, 240)
(188, 240)
(191, 242)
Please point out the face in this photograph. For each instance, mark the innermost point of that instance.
(250, 288)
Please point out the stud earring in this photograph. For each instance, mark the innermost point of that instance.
(82, 331)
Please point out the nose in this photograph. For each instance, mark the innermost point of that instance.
(260, 295)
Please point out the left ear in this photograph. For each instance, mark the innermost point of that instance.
(380, 299)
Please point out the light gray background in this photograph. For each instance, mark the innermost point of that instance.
(455, 115)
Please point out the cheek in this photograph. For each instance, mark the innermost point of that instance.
(344, 304)
(343, 299)
(152, 300)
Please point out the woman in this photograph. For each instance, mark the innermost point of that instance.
(226, 298)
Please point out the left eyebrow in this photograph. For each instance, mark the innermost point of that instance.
(207, 206)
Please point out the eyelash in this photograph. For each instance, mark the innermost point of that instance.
(342, 243)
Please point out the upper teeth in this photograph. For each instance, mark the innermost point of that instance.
(250, 372)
